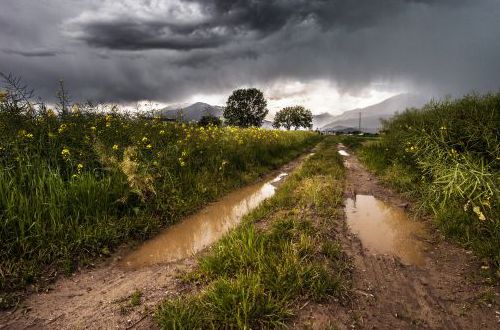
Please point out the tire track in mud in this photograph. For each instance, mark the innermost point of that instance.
(444, 293)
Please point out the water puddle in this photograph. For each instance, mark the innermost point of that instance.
(385, 229)
(201, 229)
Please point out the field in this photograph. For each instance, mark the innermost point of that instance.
(75, 185)
(446, 157)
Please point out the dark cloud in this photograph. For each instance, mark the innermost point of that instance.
(169, 50)
(228, 21)
(33, 52)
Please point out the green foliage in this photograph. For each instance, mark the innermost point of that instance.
(296, 116)
(255, 277)
(135, 298)
(245, 108)
(210, 120)
(73, 187)
(447, 155)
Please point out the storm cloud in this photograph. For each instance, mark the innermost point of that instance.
(168, 50)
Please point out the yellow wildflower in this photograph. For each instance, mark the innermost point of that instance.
(62, 128)
(65, 153)
(480, 214)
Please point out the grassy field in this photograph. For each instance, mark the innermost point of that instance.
(447, 157)
(74, 186)
(283, 254)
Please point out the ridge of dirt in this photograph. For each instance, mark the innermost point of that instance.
(99, 297)
(445, 293)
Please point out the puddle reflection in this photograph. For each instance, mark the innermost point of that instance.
(201, 229)
(385, 229)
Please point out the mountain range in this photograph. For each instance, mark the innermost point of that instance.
(371, 115)
(193, 112)
(348, 120)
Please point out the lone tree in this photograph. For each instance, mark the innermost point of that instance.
(245, 108)
(296, 116)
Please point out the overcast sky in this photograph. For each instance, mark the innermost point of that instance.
(330, 55)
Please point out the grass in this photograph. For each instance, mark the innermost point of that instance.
(447, 157)
(75, 185)
(135, 298)
(283, 253)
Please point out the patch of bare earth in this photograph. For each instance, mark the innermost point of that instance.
(99, 299)
(447, 292)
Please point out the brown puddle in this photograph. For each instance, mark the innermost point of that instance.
(385, 229)
(201, 229)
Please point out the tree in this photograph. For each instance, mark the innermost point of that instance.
(296, 116)
(245, 108)
(209, 120)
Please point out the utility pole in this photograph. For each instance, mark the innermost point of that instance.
(359, 123)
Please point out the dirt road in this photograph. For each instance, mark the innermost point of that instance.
(445, 292)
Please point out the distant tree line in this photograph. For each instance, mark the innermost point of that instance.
(247, 107)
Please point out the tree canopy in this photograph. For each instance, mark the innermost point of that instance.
(245, 108)
(209, 120)
(296, 116)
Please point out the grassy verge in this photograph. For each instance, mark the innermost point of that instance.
(447, 157)
(74, 186)
(283, 254)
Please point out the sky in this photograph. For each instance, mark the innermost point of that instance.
(329, 55)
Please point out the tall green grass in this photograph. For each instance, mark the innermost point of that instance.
(255, 277)
(447, 155)
(75, 185)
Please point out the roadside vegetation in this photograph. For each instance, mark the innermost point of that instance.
(283, 255)
(447, 156)
(78, 181)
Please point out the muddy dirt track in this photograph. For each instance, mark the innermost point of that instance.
(444, 292)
